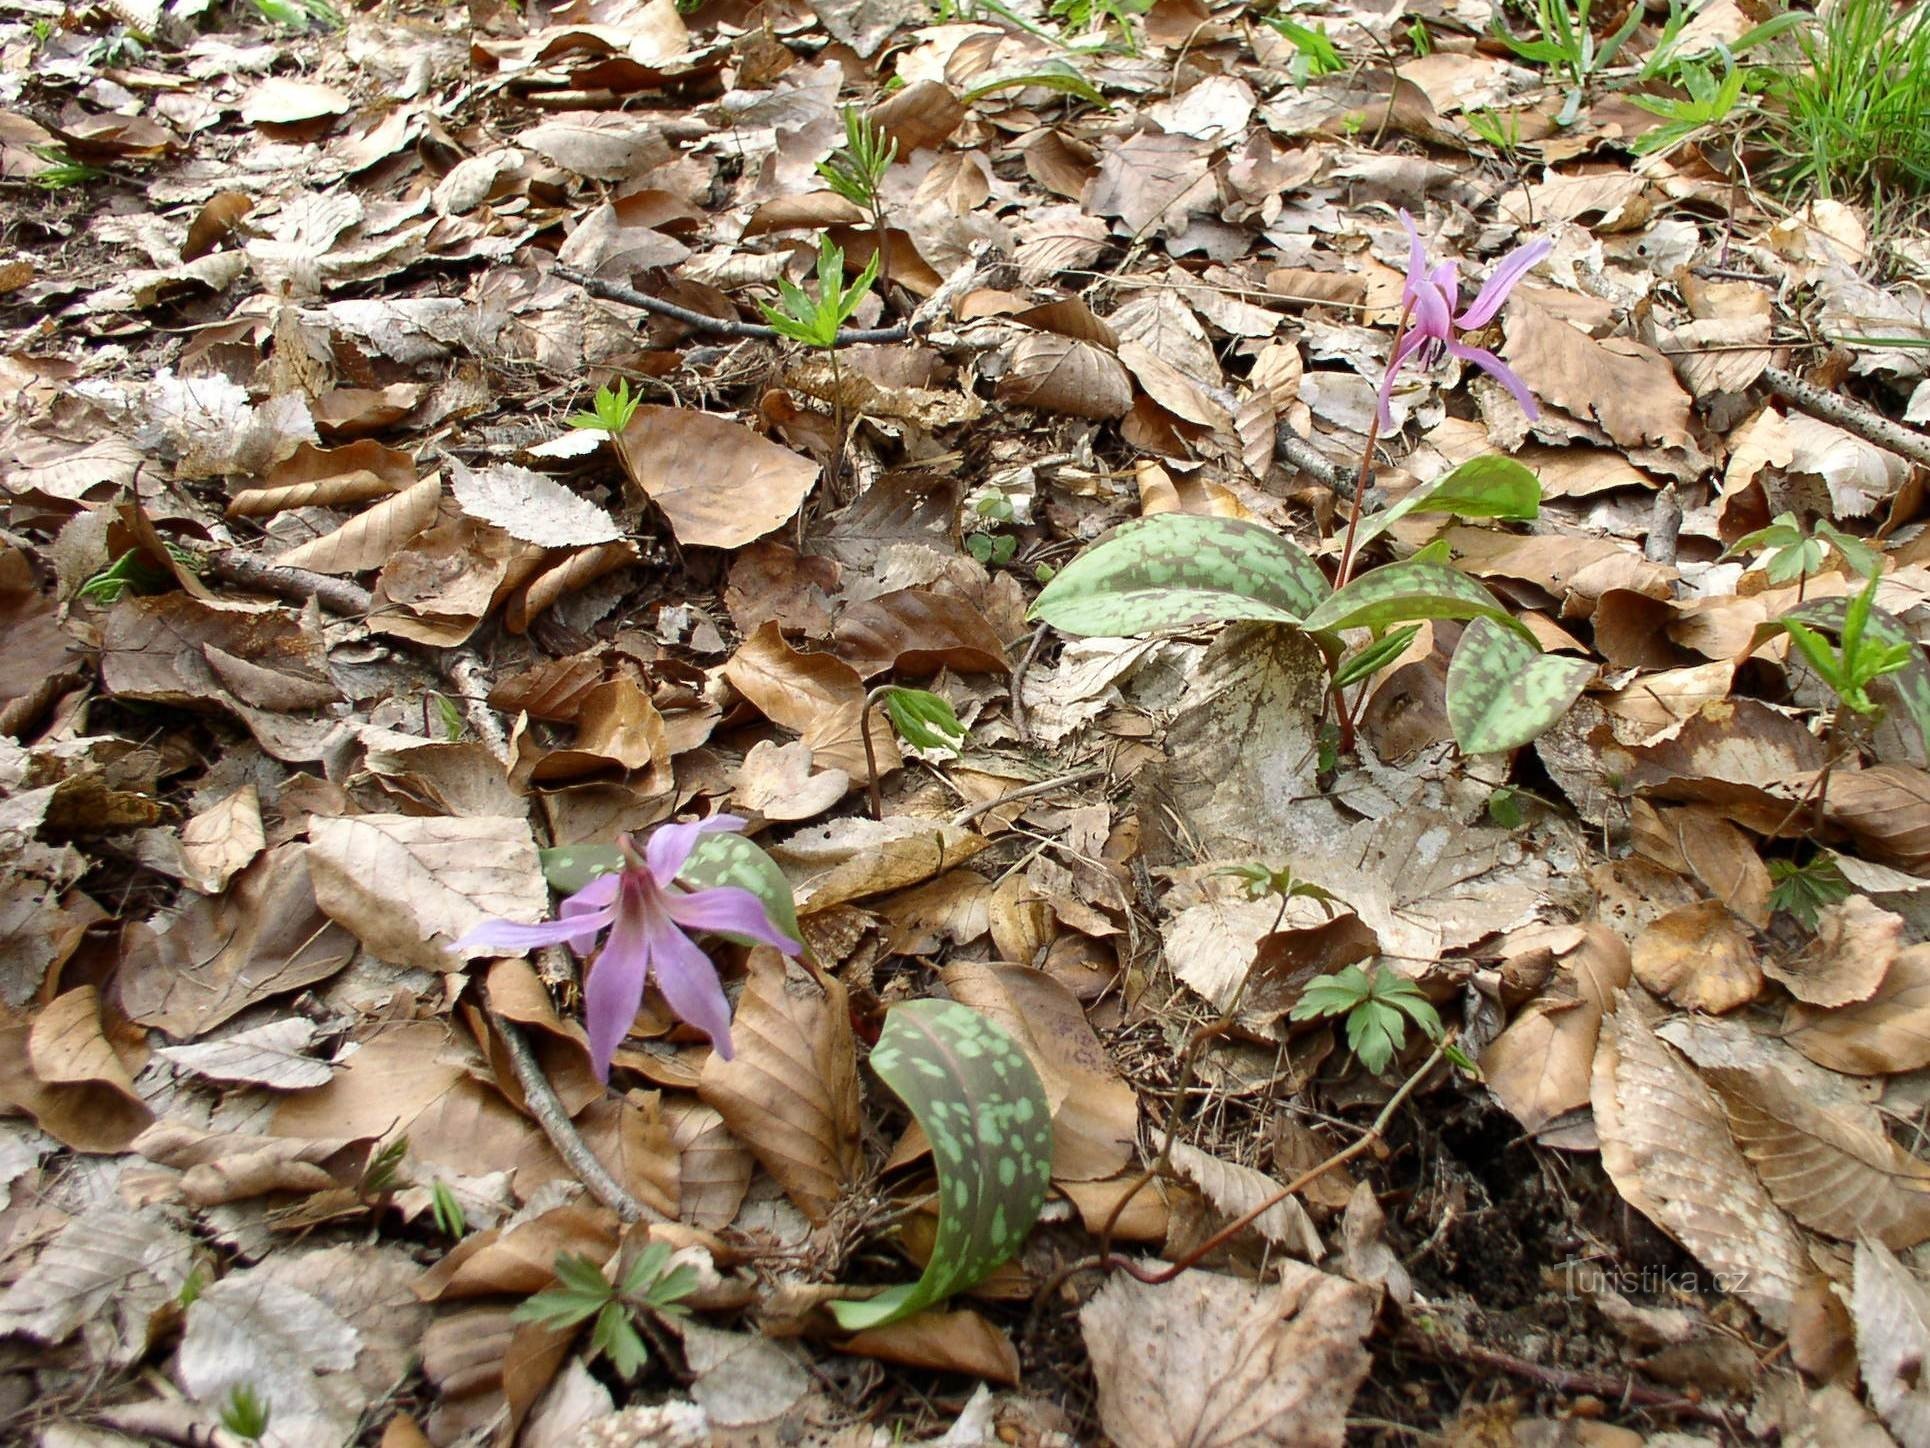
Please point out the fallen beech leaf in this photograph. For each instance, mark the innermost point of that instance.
(289, 1347)
(714, 1167)
(1665, 1143)
(1207, 1359)
(791, 1091)
(519, 1259)
(62, 1072)
(1630, 389)
(371, 538)
(1698, 840)
(817, 695)
(719, 483)
(1542, 1064)
(279, 101)
(223, 838)
(1699, 956)
(102, 1256)
(912, 632)
(775, 781)
(1059, 374)
(1854, 945)
(743, 1379)
(603, 145)
(851, 858)
(1887, 809)
(959, 1341)
(218, 1167)
(531, 507)
(1236, 1190)
(1885, 1032)
(1892, 1313)
(274, 1055)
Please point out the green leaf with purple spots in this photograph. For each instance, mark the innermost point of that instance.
(1176, 570)
(1502, 692)
(982, 1107)
(1424, 586)
(1489, 486)
(721, 859)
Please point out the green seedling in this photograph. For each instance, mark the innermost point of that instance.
(815, 321)
(383, 1174)
(650, 1285)
(1419, 38)
(1803, 892)
(1568, 46)
(923, 719)
(192, 1287)
(300, 15)
(1060, 78)
(450, 1219)
(1502, 131)
(993, 549)
(983, 1109)
(1377, 1007)
(1791, 555)
(447, 714)
(62, 170)
(609, 411)
(1257, 881)
(1859, 658)
(857, 168)
(1711, 101)
(244, 1412)
(129, 573)
(1094, 16)
(1313, 51)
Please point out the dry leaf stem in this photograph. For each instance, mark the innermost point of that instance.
(1850, 416)
(1045, 786)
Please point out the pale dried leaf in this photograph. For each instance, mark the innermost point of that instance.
(1237, 1190)
(274, 1055)
(1892, 1313)
(531, 507)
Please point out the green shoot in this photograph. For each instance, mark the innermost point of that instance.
(129, 572)
(1568, 46)
(191, 1287)
(1377, 1008)
(1418, 37)
(1802, 892)
(1257, 881)
(1857, 661)
(1374, 656)
(300, 14)
(383, 1174)
(450, 1218)
(923, 720)
(584, 1292)
(609, 411)
(1096, 15)
(1314, 53)
(63, 170)
(1857, 107)
(857, 168)
(244, 1412)
(1791, 554)
(1709, 103)
(815, 321)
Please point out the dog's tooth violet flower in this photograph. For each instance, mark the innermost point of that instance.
(651, 920)
(1430, 297)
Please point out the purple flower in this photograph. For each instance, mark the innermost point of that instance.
(1430, 298)
(650, 919)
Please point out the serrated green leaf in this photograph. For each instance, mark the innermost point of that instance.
(982, 1107)
(1176, 570)
(616, 1338)
(1912, 681)
(1502, 692)
(1489, 486)
(1419, 588)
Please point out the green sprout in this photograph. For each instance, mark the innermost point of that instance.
(1257, 881)
(923, 719)
(63, 170)
(448, 1213)
(131, 572)
(300, 14)
(1710, 102)
(989, 548)
(857, 168)
(1568, 46)
(1858, 660)
(610, 411)
(244, 1412)
(383, 1174)
(1314, 53)
(1793, 555)
(1377, 1007)
(815, 321)
(584, 1292)
(1803, 892)
(192, 1287)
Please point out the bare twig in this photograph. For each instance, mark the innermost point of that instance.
(1294, 450)
(1045, 786)
(1850, 416)
(1017, 685)
(703, 322)
(562, 1132)
(337, 595)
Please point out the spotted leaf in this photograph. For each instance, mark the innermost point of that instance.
(982, 1107)
(1422, 587)
(1502, 692)
(1175, 570)
(1489, 486)
(720, 859)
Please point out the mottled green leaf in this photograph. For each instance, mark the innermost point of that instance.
(1489, 486)
(1912, 681)
(1175, 570)
(1502, 692)
(719, 859)
(1419, 588)
(982, 1107)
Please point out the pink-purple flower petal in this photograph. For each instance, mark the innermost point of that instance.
(669, 848)
(1501, 373)
(728, 910)
(509, 937)
(1509, 270)
(614, 990)
(689, 984)
(588, 910)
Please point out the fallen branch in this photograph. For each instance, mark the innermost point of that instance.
(1850, 416)
(704, 322)
(562, 1132)
(1294, 450)
(298, 585)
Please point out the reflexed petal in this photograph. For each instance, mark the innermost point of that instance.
(689, 983)
(1416, 259)
(671, 845)
(1498, 370)
(615, 988)
(510, 938)
(1409, 341)
(728, 910)
(594, 899)
(1509, 270)
(1433, 313)
(1445, 281)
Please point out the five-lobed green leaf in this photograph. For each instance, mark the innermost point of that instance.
(1178, 570)
(1503, 692)
(985, 1112)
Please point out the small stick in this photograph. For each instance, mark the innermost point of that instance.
(1850, 416)
(562, 1132)
(1291, 448)
(1018, 684)
(337, 595)
(872, 790)
(1665, 527)
(1044, 786)
(704, 322)
(1606, 1386)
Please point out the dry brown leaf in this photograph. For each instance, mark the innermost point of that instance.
(1216, 1362)
(851, 858)
(1891, 1309)
(280, 101)
(1854, 945)
(1886, 1032)
(1665, 1143)
(819, 696)
(373, 537)
(1152, 182)
(1698, 840)
(719, 483)
(1542, 1064)
(62, 1072)
(956, 908)
(603, 145)
(790, 1093)
(912, 632)
(714, 1167)
(223, 838)
(776, 781)
(1699, 956)
(408, 887)
(273, 1055)
(219, 1167)
(520, 1259)
(617, 727)
(105, 1256)
(1059, 374)
(1887, 809)
(958, 1341)
(528, 506)
(1631, 390)
(317, 477)
(1236, 1190)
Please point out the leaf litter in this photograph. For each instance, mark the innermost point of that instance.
(406, 500)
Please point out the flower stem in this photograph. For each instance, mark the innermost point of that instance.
(1367, 463)
(876, 796)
